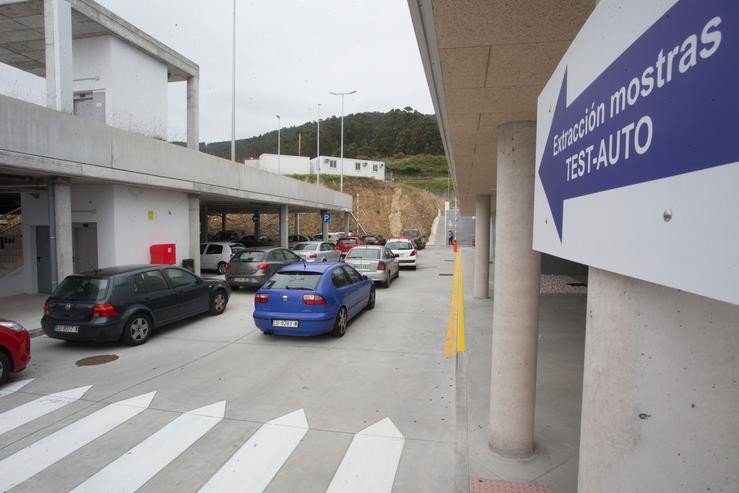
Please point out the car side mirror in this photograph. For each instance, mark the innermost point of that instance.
(365, 278)
(396, 255)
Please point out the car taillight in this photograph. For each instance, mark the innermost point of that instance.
(46, 308)
(261, 298)
(106, 310)
(314, 299)
(380, 265)
(312, 255)
(228, 266)
(263, 266)
(413, 253)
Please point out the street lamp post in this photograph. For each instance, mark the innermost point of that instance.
(233, 88)
(318, 146)
(342, 94)
(279, 130)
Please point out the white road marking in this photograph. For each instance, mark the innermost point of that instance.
(255, 464)
(134, 468)
(29, 411)
(14, 387)
(371, 461)
(38, 456)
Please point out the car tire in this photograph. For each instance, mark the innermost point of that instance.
(413, 267)
(340, 323)
(221, 267)
(324, 260)
(218, 302)
(371, 302)
(5, 367)
(387, 281)
(137, 329)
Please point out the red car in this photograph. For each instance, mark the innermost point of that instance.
(15, 348)
(346, 243)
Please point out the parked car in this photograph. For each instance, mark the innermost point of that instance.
(126, 303)
(371, 240)
(336, 235)
(215, 255)
(312, 299)
(376, 262)
(317, 251)
(15, 348)
(346, 243)
(405, 249)
(253, 266)
(292, 240)
(227, 235)
(416, 236)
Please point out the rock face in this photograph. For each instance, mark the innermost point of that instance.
(382, 208)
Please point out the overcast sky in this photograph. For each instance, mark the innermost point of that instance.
(290, 54)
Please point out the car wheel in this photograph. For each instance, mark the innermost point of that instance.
(4, 367)
(324, 259)
(386, 282)
(218, 302)
(413, 267)
(137, 330)
(221, 267)
(371, 302)
(340, 323)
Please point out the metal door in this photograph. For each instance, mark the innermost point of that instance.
(43, 265)
(85, 247)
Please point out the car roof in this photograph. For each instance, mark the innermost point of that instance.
(399, 239)
(310, 267)
(121, 269)
(262, 248)
(368, 247)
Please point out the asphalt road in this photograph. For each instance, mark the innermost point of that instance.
(235, 409)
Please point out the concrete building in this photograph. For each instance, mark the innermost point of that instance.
(96, 182)
(660, 392)
(331, 165)
(282, 164)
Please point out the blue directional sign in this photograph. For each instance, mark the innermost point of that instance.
(255, 218)
(668, 105)
(326, 217)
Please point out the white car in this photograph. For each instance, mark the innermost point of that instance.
(216, 254)
(317, 251)
(405, 251)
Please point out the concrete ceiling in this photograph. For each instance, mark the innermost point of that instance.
(22, 36)
(487, 62)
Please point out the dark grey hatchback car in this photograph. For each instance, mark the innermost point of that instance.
(252, 267)
(126, 303)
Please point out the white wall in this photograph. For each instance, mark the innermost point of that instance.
(135, 84)
(286, 165)
(135, 231)
(367, 168)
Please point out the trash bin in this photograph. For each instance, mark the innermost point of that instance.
(189, 264)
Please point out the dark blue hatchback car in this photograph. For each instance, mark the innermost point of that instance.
(310, 299)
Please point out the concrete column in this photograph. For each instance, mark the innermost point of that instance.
(516, 296)
(194, 244)
(223, 221)
(284, 223)
(296, 221)
(193, 113)
(63, 233)
(257, 229)
(324, 227)
(58, 49)
(660, 394)
(482, 246)
(204, 223)
(346, 223)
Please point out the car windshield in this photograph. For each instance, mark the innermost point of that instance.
(410, 232)
(364, 253)
(304, 246)
(255, 256)
(75, 288)
(399, 245)
(293, 280)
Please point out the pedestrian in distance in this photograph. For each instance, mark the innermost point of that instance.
(450, 236)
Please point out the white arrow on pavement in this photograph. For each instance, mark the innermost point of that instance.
(38, 456)
(14, 387)
(255, 464)
(134, 468)
(371, 461)
(29, 411)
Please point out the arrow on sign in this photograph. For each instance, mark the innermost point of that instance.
(668, 105)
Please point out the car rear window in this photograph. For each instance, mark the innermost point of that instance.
(373, 253)
(294, 280)
(399, 245)
(347, 241)
(76, 288)
(256, 256)
(304, 246)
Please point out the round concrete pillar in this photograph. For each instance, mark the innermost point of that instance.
(482, 246)
(516, 295)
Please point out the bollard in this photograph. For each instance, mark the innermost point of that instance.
(455, 245)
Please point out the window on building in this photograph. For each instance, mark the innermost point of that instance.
(325, 160)
(374, 168)
(333, 163)
(357, 166)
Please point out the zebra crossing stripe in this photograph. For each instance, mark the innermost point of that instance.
(29, 411)
(255, 464)
(38, 456)
(371, 461)
(14, 387)
(134, 468)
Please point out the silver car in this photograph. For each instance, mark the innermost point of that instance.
(374, 261)
(317, 251)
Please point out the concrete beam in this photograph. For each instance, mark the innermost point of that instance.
(194, 218)
(193, 113)
(58, 53)
(284, 223)
(63, 226)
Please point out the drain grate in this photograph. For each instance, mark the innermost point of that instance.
(97, 360)
(491, 486)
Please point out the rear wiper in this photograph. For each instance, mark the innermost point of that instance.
(291, 287)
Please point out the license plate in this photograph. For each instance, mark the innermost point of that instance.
(67, 328)
(285, 323)
(241, 279)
